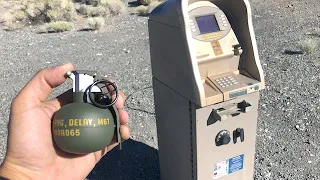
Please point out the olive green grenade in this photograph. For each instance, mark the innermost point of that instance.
(91, 121)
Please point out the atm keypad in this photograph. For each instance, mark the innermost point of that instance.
(227, 81)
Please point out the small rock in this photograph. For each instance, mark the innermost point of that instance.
(309, 162)
(99, 54)
(267, 175)
(48, 62)
(301, 127)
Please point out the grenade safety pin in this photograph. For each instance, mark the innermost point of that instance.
(91, 121)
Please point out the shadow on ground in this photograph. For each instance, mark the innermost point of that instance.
(135, 161)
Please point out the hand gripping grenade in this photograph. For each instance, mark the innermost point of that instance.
(91, 121)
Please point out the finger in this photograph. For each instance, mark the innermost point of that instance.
(124, 117)
(125, 135)
(40, 86)
(120, 101)
(124, 132)
(110, 87)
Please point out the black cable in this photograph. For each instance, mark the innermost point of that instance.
(104, 81)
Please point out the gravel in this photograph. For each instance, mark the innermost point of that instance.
(287, 143)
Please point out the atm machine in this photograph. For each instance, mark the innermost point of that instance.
(207, 78)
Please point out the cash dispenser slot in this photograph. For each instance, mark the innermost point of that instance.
(229, 111)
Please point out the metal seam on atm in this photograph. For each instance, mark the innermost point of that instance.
(174, 90)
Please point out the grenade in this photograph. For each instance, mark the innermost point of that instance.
(91, 121)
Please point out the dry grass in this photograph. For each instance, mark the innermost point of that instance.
(145, 10)
(25, 12)
(142, 10)
(19, 13)
(96, 23)
(115, 7)
(316, 32)
(308, 45)
(153, 5)
(145, 2)
(96, 11)
(60, 26)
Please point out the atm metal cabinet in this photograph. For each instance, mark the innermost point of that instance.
(207, 78)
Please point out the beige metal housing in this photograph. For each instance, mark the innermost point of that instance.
(207, 77)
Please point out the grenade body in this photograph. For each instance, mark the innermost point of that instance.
(82, 128)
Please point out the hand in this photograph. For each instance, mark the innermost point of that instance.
(31, 153)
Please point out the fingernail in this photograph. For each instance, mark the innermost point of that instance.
(67, 67)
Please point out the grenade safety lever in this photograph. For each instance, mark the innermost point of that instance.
(91, 121)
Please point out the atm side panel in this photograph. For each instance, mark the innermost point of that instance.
(174, 129)
(230, 161)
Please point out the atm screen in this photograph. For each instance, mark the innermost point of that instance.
(207, 24)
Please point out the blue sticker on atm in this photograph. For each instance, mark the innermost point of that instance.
(228, 166)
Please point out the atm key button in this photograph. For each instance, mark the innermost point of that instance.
(225, 25)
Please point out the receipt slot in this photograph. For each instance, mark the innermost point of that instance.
(206, 77)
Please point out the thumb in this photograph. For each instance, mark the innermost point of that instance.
(40, 86)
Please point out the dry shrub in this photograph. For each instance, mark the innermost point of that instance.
(60, 26)
(40, 11)
(316, 32)
(144, 10)
(97, 11)
(145, 2)
(96, 23)
(308, 45)
(153, 5)
(115, 7)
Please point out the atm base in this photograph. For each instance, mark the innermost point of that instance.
(224, 135)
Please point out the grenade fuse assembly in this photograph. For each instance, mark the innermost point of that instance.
(91, 121)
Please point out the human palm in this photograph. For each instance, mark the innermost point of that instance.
(31, 152)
